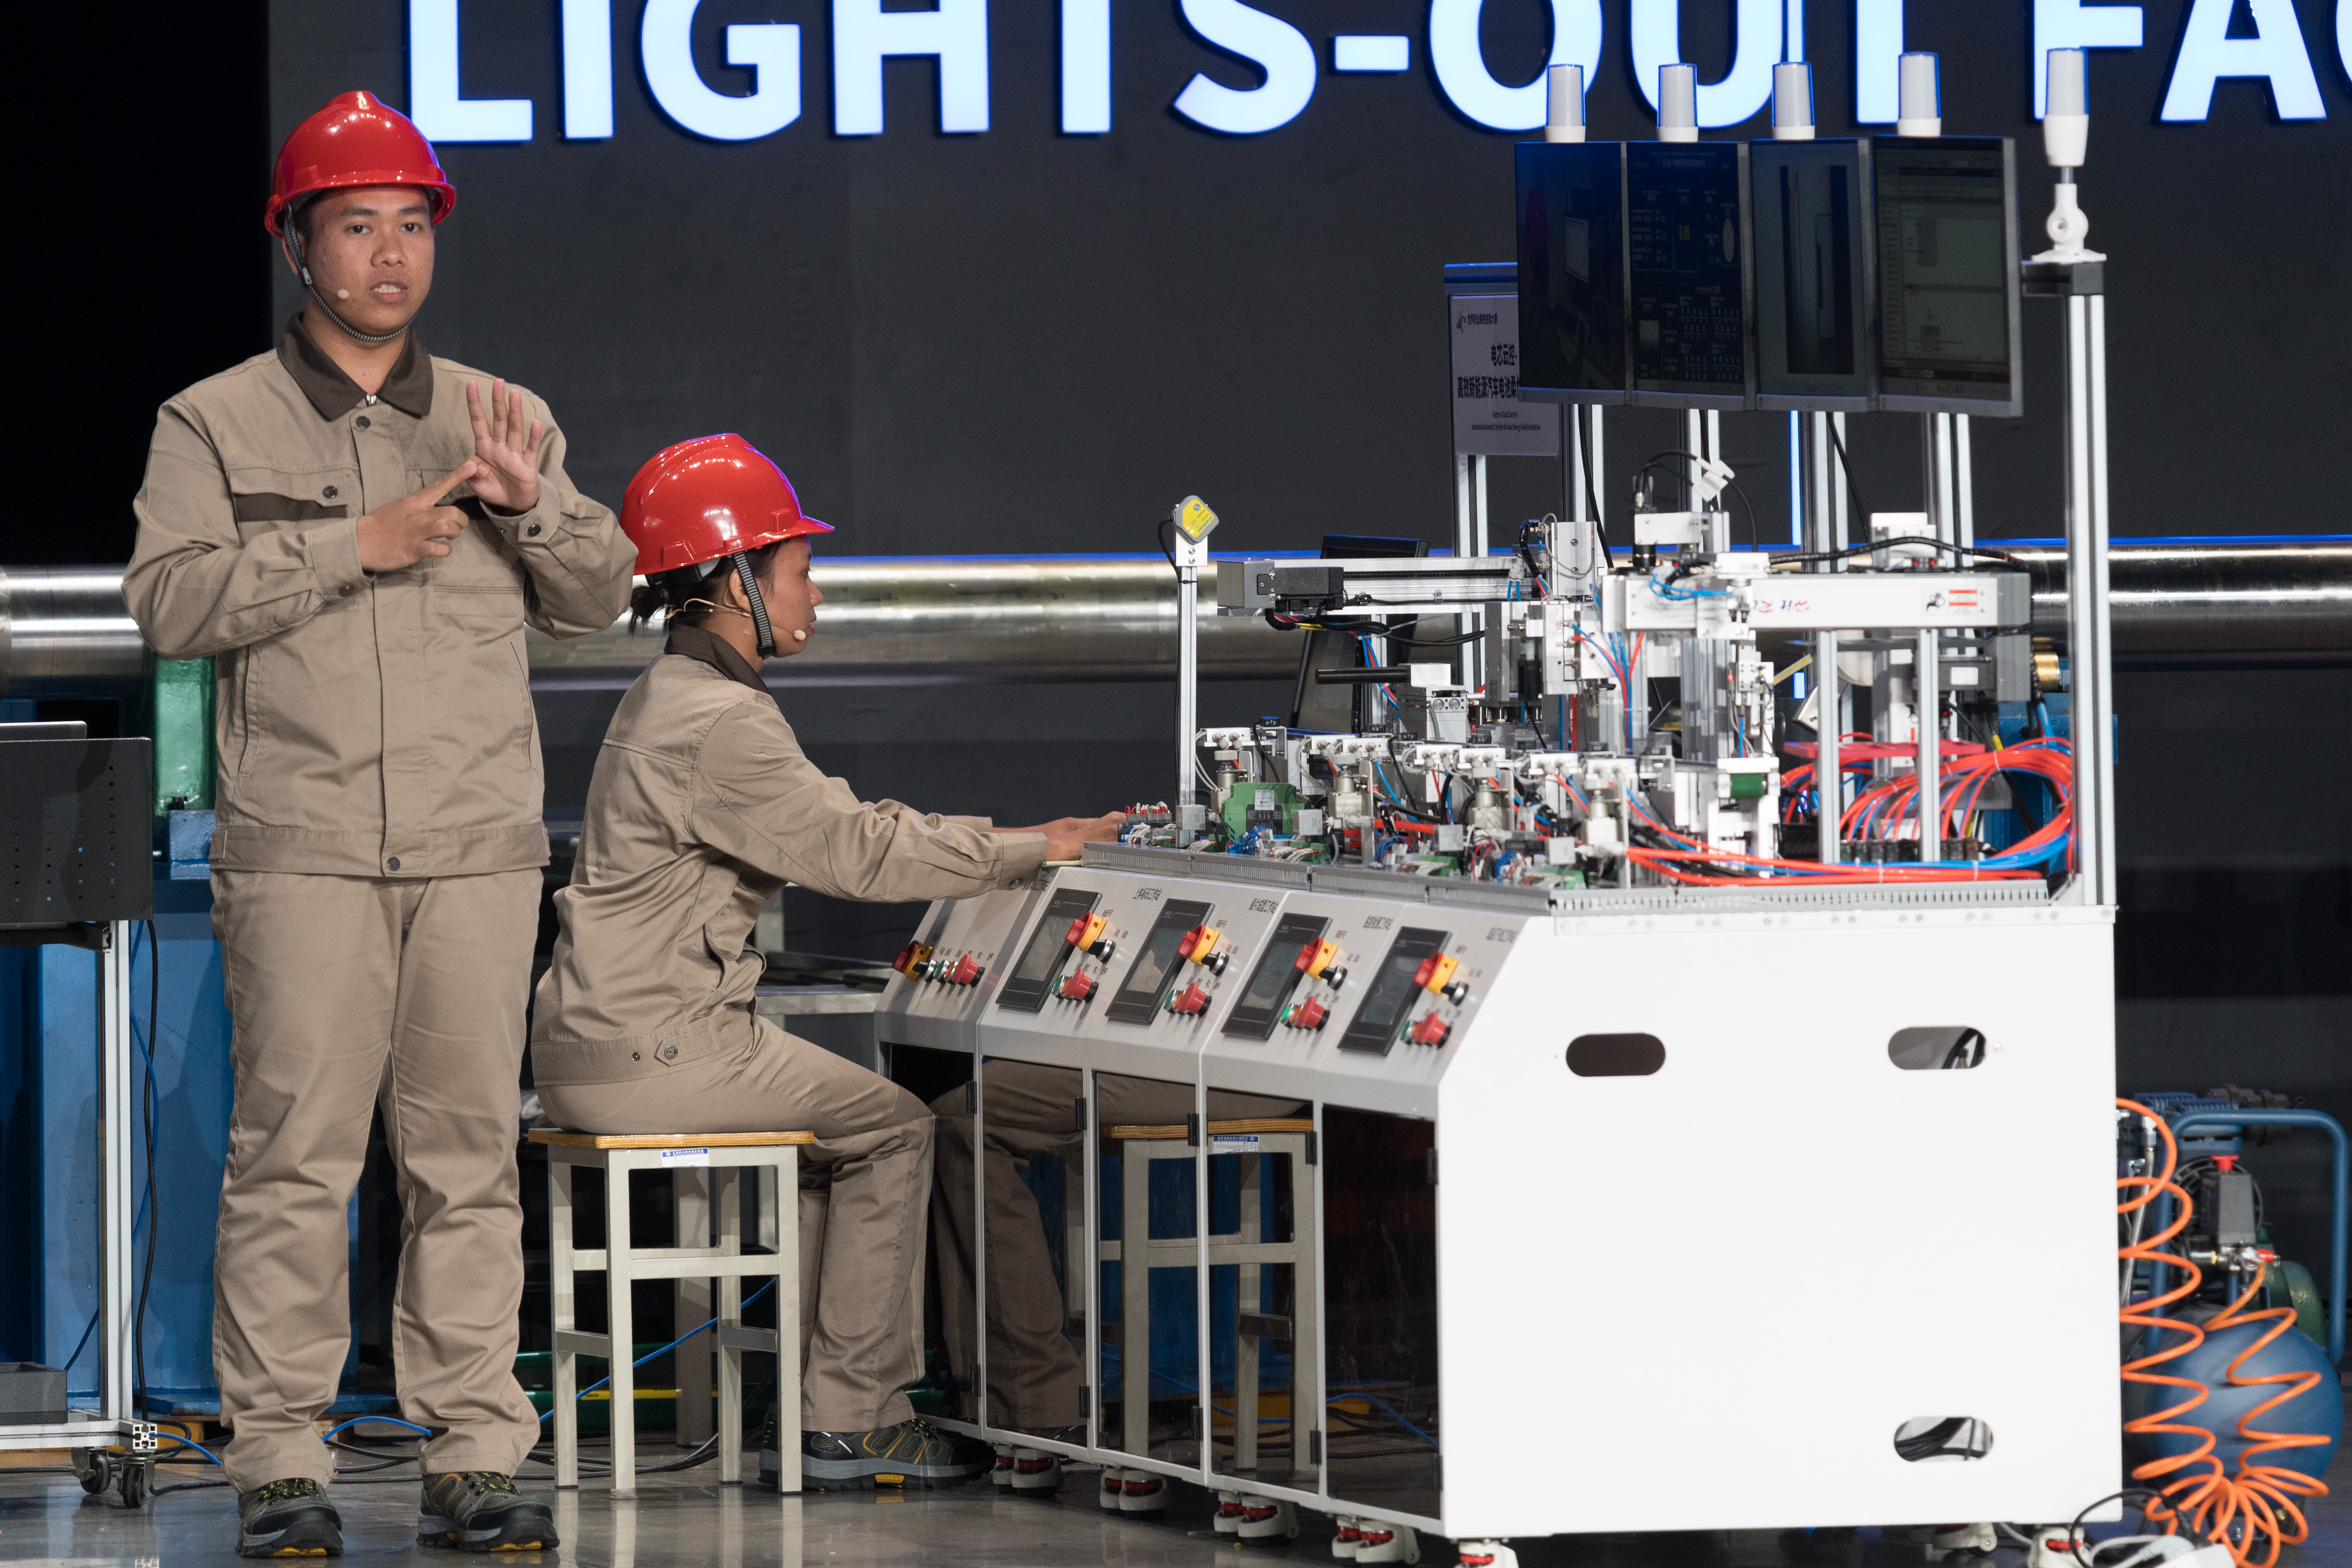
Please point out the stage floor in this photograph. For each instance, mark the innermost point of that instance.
(683, 1518)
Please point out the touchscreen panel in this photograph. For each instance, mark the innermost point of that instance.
(1032, 980)
(1276, 975)
(1814, 253)
(1948, 277)
(1139, 994)
(1391, 992)
(1686, 232)
(1571, 216)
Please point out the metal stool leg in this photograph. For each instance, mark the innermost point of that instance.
(618, 1164)
(788, 1320)
(727, 1191)
(560, 1290)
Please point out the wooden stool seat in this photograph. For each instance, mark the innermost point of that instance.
(1216, 1128)
(710, 1166)
(669, 1140)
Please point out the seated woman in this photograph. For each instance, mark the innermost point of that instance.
(701, 807)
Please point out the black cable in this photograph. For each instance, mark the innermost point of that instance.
(1755, 526)
(1852, 491)
(154, 1216)
(1165, 533)
(2074, 1531)
(1591, 491)
(1436, 642)
(1914, 541)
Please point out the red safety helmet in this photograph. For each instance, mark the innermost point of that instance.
(712, 496)
(355, 141)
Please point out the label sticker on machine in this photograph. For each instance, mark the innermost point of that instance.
(1233, 1142)
(680, 1158)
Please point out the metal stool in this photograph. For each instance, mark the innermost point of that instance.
(1138, 1146)
(726, 1155)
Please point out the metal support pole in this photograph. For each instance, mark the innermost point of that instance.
(1931, 749)
(115, 1394)
(1943, 506)
(2086, 596)
(1829, 773)
(1188, 679)
(1964, 475)
(1474, 662)
(1839, 506)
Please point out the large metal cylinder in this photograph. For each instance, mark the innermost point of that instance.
(936, 620)
(65, 634)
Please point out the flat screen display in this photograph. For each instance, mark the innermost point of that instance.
(1686, 234)
(1391, 992)
(1032, 980)
(1810, 206)
(1146, 984)
(1948, 274)
(1571, 217)
(1275, 978)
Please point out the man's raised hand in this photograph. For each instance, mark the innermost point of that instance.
(507, 447)
(415, 526)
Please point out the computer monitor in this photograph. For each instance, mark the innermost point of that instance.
(1810, 202)
(1948, 337)
(1572, 215)
(1687, 234)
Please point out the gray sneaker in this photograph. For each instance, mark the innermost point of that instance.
(288, 1518)
(480, 1511)
(910, 1454)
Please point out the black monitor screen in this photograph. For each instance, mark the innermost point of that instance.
(1025, 988)
(1391, 992)
(1148, 977)
(1812, 266)
(1276, 975)
(1571, 213)
(1686, 224)
(1946, 274)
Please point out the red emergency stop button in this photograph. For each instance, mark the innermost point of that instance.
(964, 972)
(1308, 1014)
(1077, 987)
(1189, 1001)
(1431, 1031)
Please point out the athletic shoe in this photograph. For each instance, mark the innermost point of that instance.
(910, 1454)
(772, 1458)
(288, 1518)
(480, 1511)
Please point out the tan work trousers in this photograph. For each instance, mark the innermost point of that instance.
(348, 992)
(1035, 1376)
(861, 1201)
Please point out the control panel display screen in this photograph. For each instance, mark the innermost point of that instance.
(1571, 213)
(1391, 992)
(1812, 258)
(1275, 978)
(1948, 275)
(1686, 225)
(1146, 984)
(1032, 979)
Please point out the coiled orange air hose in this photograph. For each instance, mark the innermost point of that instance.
(2253, 1512)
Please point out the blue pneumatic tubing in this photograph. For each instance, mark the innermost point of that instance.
(2339, 1219)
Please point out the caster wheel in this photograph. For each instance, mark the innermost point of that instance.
(95, 1468)
(136, 1481)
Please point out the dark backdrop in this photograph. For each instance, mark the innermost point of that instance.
(1022, 340)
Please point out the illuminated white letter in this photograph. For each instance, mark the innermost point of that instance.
(2276, 52)
(1086, 65)
(587, 69)
(433, 100)
(864, 33)
(2071, 24)
(772, 49)
(1745, 88)
(1278, 49)
(1877, 61)
(1462, 71)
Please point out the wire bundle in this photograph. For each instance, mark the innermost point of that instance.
(2253, 1512)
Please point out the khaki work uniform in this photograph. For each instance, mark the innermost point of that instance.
(1037, 1375)
(702, 806)
(375, 869)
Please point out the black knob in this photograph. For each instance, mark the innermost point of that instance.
(1105, 950)
(1217, 961)
(1335, 977)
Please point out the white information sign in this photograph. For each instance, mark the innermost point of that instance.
(682, 1159)
(1489, 420)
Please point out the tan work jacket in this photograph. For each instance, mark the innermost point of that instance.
(702, 806)
(366, 725)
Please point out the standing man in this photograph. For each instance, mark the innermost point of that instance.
(359, 532)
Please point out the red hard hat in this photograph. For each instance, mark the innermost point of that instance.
(709, 497)
(353, 141)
